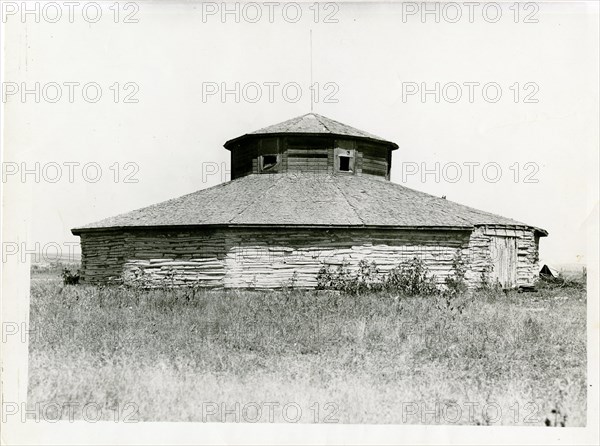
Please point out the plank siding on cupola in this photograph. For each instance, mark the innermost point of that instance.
(308, 154)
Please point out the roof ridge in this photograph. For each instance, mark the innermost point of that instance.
(337, 185)
(371, 135)
(255, 200)
(318, 117)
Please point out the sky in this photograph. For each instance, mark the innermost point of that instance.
(157, 129)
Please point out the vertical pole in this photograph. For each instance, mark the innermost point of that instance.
(311, 74)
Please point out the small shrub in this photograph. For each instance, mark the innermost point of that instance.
(329, 278)
(456, 283)
(367, 278)
(293, 281)
(289, 286)
(453, 297)
(70, 278)
(411, 278)
(486, 283)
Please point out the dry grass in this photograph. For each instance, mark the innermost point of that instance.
(191, 355)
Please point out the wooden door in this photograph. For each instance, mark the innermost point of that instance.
(504, 260)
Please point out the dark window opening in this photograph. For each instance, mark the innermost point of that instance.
(269, 162)
(344, 163)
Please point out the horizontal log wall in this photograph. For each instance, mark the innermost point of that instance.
(108, 255)
(527, 258)
(208, 272)
(307, 154)
(373, 159)
(102, 256)
(272, 258)
(480, 254)
(479, 257)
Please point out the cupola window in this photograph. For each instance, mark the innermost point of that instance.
(269, 162)
(345, 160)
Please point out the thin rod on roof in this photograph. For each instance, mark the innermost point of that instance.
(311, 74)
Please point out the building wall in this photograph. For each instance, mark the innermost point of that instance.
(313, 154)
(375, 159)
(272, 258)
(112, 255)
(482, 254)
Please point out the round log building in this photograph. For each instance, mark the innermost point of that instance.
(304, 193)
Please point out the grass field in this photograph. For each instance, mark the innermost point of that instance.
(192, 355)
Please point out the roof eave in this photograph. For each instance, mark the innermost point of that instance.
(79, 231)
(540, 231)
(227, 145)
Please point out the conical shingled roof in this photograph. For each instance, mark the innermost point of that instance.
(314, 124)
(307, 200)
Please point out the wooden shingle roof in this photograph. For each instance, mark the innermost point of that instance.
(307, 200)
(313, 124)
